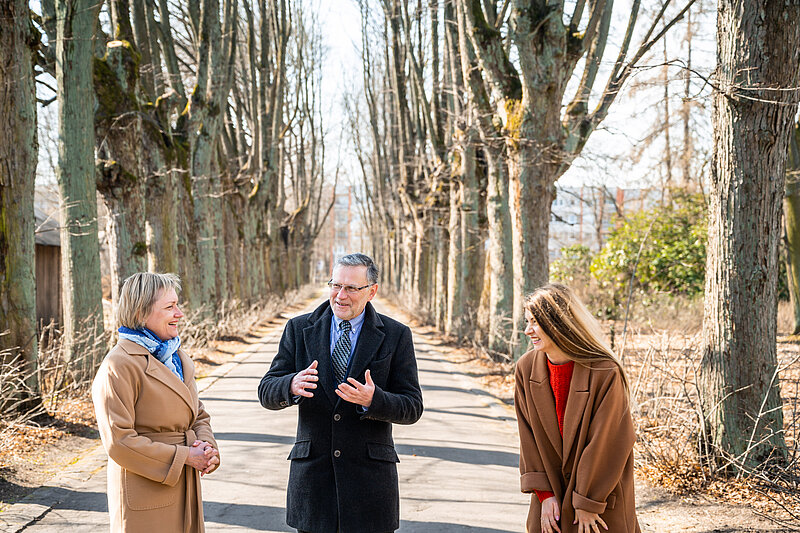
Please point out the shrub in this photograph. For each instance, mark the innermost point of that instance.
(672, 241)
(573, 266)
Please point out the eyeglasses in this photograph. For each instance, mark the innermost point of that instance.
(349, 289)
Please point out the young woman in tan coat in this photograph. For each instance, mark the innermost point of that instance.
(575, 426)
(153, 426)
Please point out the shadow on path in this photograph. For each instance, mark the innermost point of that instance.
(411, 526)
(255, 437)
(255, 517)
(461, 455)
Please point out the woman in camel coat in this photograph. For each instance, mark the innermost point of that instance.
(153, 426)
(575, 426)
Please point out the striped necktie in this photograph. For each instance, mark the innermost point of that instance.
(341, 352)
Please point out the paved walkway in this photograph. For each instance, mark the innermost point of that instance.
(458, 464)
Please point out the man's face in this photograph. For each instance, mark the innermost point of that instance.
(348, 305)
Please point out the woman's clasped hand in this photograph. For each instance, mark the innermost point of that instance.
(203, 457)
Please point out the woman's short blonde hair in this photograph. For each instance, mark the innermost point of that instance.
(138, 295)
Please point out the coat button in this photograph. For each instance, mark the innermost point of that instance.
(337, 417)
(336, 453)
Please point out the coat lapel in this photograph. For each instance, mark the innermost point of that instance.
(544, 401)
(576, 404)
(317, 338)
(369, 342)
(157, 370)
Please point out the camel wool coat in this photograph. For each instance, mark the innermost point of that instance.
(148, 420)
(591, 467)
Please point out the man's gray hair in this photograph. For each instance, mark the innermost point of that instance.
(353, 260)
(138, 295)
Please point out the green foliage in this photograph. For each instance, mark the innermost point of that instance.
(673, 249)
(573, 267)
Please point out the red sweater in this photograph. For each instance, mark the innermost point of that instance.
(560, 376)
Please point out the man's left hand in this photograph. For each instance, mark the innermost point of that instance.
(358, 393)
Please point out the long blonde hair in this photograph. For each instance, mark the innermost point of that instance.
(564, 318)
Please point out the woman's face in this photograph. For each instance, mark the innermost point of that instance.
(163, 319)
(540, 339)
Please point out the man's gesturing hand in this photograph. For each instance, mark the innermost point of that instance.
(305, 379)
(357, 393)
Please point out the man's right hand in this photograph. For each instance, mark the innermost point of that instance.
(305, 379)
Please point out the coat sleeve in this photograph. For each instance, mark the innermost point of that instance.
(531, 467)
(401, 401)
(114, 394)
(610, 441)
(274, 391)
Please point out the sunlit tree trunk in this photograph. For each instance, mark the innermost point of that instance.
(121, 164)
(791, 217)
(758, 58)
(18, 156)
(80, 249)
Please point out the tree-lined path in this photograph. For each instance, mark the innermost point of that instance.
(458, 464)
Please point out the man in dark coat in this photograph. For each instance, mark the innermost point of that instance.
(353, 373)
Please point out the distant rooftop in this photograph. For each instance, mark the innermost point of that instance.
(47, 230)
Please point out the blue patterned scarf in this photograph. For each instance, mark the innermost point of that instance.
(165, 351)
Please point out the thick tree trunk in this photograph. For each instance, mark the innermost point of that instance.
(121, 170)
(758, 49)
(18, 156)
(80, 249)
(501, 292)
(791, 218)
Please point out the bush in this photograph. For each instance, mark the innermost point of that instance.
(673, 249)
(572, 267)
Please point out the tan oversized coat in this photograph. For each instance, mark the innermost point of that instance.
(591, 468)
(148, 419)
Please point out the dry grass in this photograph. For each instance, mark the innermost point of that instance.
(672, 450)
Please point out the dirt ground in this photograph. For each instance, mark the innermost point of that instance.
(30, 455)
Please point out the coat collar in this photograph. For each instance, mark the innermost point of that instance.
(157, 370)
(546, 406)
(317, 337)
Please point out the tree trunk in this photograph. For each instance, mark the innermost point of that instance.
(791, 218)
(18, 156)
(121, 169)
(80, 249)
(501, 292)
(758, 49)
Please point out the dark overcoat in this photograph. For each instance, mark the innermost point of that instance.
(591, 466)
(343, 473)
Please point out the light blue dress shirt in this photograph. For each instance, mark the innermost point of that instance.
(355, 331)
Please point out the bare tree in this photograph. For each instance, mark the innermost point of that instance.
(791, 218)
(754, 107)
(76, 24)
(18, 156)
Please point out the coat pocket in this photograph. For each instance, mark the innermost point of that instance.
(379, 370)
(142, 494)
(300, 450)
(611, 501)
(382, 452)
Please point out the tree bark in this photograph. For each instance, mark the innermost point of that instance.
(18, 157)
(80, 249)
(121, 165)
(791, 217)
(758, 69)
